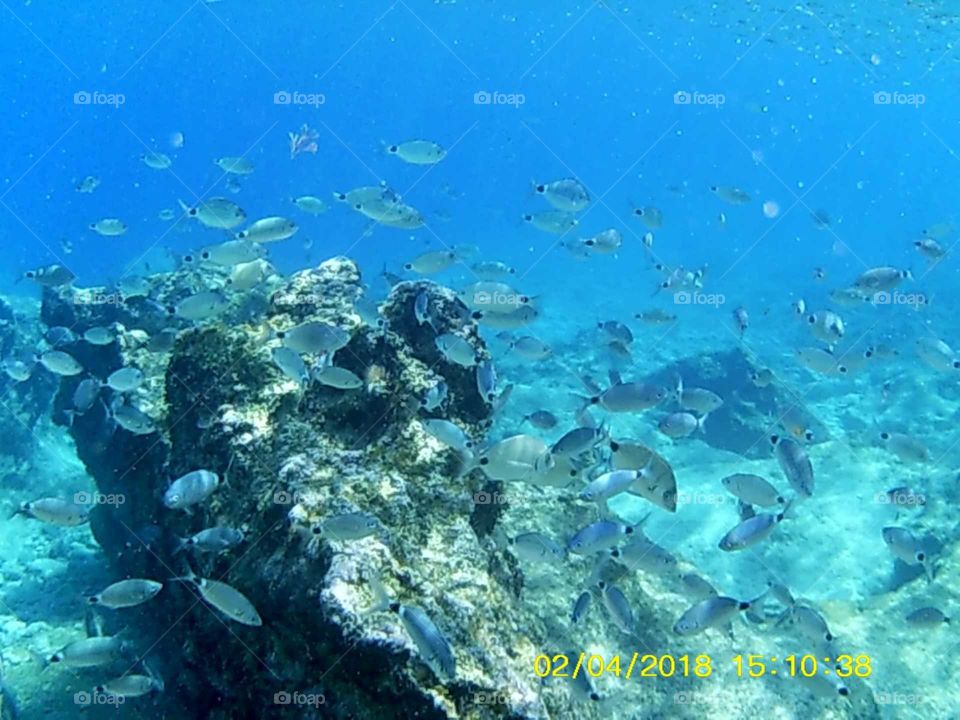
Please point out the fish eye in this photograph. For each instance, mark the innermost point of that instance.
(541, 188)
(393, 148)
(884, 436)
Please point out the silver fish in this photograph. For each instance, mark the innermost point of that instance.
(618, 607)
(433, 645)
(126, 593)
(55, 512)
(60, 363)
(752, 489)
(487, 380)
(212, 540)
(795, 464)
(708, 613)
(91, 652)
(608, 485)
(134, 420)
(85, 394)
(534, 547)
(125, 379)
(598, 536)
(456, 350)
(448, 433)
(926, 617)
(581, 607)
(202, 306)
(348, 526)
(290, 364)
(228, 600)
(190, 489)
(435, 396)
(750, 532)
(314, 337)
(129, 686)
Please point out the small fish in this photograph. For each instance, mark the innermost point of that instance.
(230, 253)
(880, 279)
(125, 379)
(133, 420)
(907, 449)
(487, 380)
(314, 337)
(567, 194)
(233, 604)
(212, 540)
(156, 160)
(217, 212)
(730, 194)
(166, 214)
(290, 364)
(133, 287)
(608, 485)
(435, 396)
(447, 433)
(310, 204)
(129, 686)
(642, 553)
(269, 229)
(820, 361)
(163, 341)
(795, 464)
(429, 263)
(697, 586)
(91, 652)
(457, 350)
(542, 419)
(581, 607)
(85, 394)
(60, 363)
(656, 317)
(248, 275)
(630, 397)
(907, 548)
(650, 216)
(530, 348)
(750, 532)
(491, 270)
(418, 152)
(58, 336)
(435, 649)
(201, 306)
(809, 622)
(99, 336)
(764, 377)
(937, 354)
(51, 276)
(556, 222)
(930, 249)
(597, 537)
(617, 607)
(903, 496)
(926, 617)
(19, 369)
(826, 326)
(741, 320)
(55, 511)
(577, 441)
(191, 489)
(681, 424)
(348, 526)
(234, 165)
(534, 547)
(109, 227)
(88, 184)
(337, 377)
(126, 593)
(708, 613)
(519, 457)
(752, 489)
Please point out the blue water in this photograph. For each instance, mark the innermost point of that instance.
(593, 90)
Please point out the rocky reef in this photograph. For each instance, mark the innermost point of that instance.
(293, 455)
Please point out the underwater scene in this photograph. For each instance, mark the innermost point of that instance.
(484, 360)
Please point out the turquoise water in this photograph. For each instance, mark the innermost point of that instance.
(839, 111)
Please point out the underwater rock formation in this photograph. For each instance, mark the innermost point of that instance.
(292, 457)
